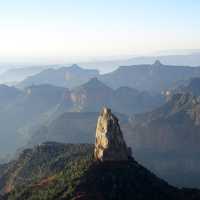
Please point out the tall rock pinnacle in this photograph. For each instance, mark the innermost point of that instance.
(109, 144)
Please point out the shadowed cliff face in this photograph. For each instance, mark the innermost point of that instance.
(110, 144)
(171, 127)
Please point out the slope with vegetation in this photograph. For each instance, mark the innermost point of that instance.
(40, 164)
(55, 171)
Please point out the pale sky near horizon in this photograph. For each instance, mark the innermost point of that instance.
(59, 29)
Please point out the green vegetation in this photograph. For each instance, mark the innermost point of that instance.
(44, 165)
(60, 186)
(68, 172)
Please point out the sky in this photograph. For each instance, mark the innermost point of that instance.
(60, 30)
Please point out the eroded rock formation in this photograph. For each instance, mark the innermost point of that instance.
(109, 144)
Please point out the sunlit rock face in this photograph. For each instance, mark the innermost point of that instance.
(109, 144)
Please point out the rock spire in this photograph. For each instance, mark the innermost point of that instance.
(110, 144)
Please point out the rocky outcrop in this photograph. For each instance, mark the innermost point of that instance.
(110, 144)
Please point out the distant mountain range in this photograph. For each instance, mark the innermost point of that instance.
(18, 73)
(94, 94)
(171, 57)
(40, 104)
(12, 76)
(64, 77)
(153, 78)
